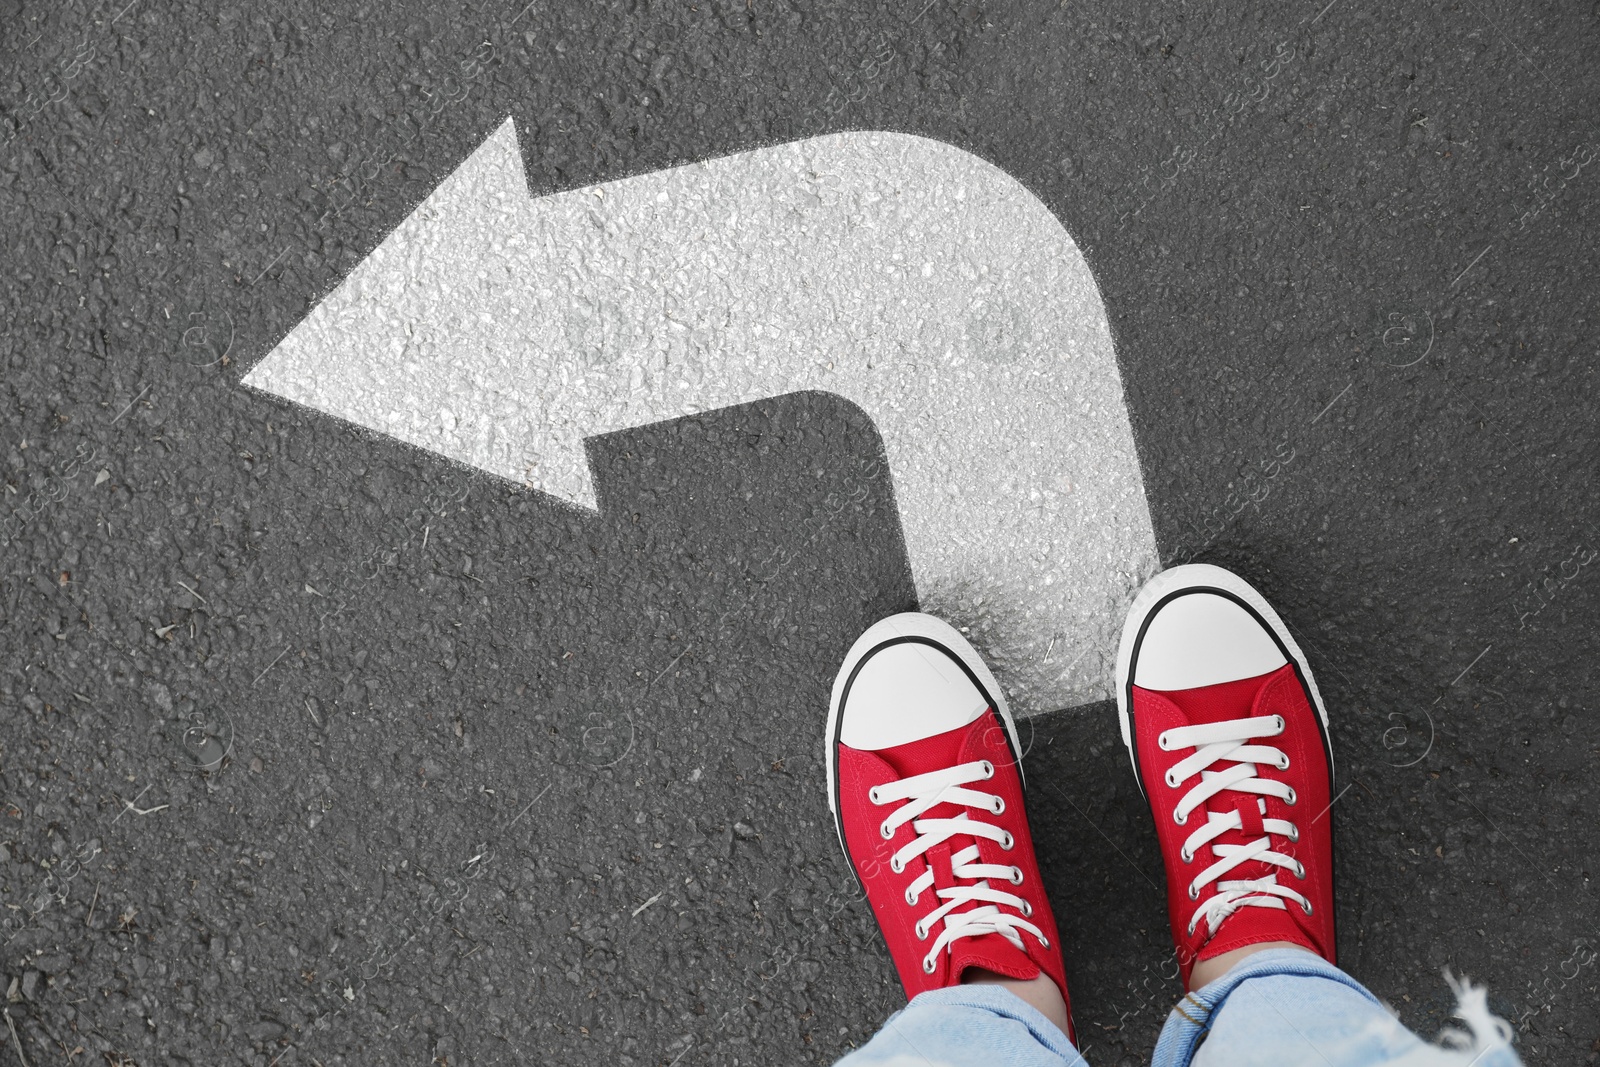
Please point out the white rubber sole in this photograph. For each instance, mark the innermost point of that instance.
(914, 625)
(1202, 576)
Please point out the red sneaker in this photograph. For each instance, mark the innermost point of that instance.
(1229, 741)
(926, 790)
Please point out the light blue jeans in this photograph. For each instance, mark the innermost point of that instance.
(1279, 1008)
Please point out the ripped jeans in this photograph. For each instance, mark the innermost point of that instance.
(1277, 1008)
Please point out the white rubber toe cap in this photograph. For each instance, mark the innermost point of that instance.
(906, 692)
(910, 676)
(1202, 638)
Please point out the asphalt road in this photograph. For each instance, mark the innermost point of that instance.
(506, 781)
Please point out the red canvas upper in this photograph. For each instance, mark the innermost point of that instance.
(860, 771)
(1278, 692)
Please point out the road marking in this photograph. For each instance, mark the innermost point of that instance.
(910, 277)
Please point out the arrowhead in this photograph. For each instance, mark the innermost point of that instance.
(399, 346)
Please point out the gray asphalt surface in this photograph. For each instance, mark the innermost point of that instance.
(510, 783)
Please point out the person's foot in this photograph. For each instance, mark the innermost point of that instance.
(1229, 742)
(926, 789)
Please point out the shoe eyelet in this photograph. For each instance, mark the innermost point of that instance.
(1027, 910)
(1283, 764)
(1044, 941)
(928, 965)
(1280, 723)
(911, 898)
(883, 829)
(999, 805)
(872, 795)
(1008, 842)
(1307, 906)
(896, 866)
(988, 769)
(1016, 876)
(1292, 798)
(922, 932)
(1172, 780)
(1300, 870)
(1194, 892)
(1294, 832)
(1161, 742)
(1179, 819)
(1185, 855)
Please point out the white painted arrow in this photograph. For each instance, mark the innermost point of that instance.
(906, 275)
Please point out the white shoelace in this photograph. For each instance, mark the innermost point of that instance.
(1225, 742)
(924, 792)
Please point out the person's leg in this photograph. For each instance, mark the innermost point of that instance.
(1039, 993)
(1228, 737)
(968, 1025)
(1209, 970)
(926, 790)
(1285, 1007)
